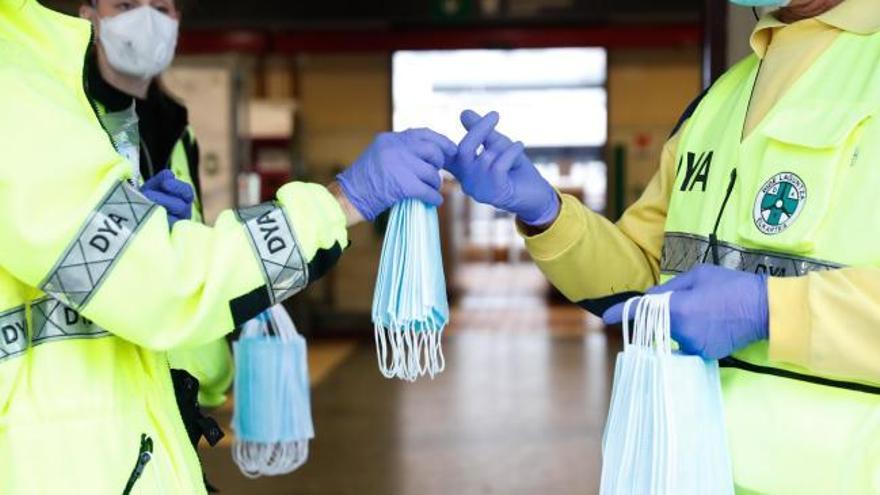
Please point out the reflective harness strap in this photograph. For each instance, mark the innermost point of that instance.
(13, 333)
(683, 251)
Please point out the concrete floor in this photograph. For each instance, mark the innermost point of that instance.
(519, 409)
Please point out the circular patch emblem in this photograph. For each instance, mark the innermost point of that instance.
(779, 203)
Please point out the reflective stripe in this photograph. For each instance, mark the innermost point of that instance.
(55, 321)
(98, 245)
(681, 252)
(275, 244)
(13, 333)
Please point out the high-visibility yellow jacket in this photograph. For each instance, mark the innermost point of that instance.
(794, 199)
(174, 148)
(84, 412)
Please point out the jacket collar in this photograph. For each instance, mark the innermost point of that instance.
(852, 16)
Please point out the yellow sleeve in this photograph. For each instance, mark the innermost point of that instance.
(828, 322)
(75, 228)
(211, 364)
(589, 259)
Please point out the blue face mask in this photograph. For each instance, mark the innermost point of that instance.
(410, 308)
(272, 417)
(761, 3)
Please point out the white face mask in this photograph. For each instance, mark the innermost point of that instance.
(139, 42)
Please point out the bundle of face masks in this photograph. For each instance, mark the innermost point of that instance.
(665, 431)
(410, 309)
(272, 418)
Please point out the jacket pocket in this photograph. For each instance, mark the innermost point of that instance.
(801, 154)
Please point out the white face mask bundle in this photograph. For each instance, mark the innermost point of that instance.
(140, 42)
(410, 309)
(665, 432)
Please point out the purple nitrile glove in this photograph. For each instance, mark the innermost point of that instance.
(397, 166)
(715, 311)
(170, 193)
(502, 175)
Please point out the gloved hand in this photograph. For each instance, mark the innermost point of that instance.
(715, 311)
(174, 195)
(397, 166)
(502, 175)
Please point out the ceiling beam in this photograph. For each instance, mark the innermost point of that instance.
(261, 43)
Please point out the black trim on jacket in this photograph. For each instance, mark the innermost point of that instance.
(162, 122)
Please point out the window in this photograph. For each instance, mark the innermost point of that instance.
(553, 100)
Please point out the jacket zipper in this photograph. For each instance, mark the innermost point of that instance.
(85, 80)
(92, 104)
(144, 455)
(713, 237)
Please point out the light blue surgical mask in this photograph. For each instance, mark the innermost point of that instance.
(666, 414)
(272, 415)
(761, 3)
(410, 309)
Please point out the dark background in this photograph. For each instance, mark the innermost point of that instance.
(287, 14)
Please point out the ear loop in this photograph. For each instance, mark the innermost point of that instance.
(634, 405)
(255, 458)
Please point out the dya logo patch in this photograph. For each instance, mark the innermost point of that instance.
(779, 203)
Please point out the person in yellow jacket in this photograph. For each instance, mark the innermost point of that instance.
(761, 222)
(87, 411)
(151, 128)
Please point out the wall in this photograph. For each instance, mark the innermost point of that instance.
(345, 101)
(740, 22)
(648, 90)
(211, 88)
